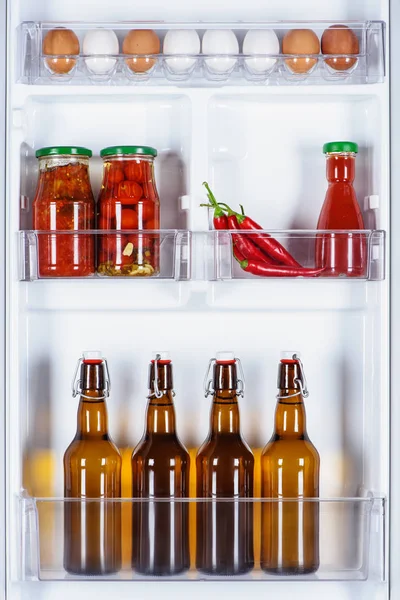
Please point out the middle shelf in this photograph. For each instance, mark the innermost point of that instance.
(184, 255)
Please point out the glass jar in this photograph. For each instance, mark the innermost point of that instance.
(64, 202)
(128, 203)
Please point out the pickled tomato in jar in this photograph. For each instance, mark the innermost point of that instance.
(128, 202)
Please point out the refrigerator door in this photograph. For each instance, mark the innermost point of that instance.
(215, 133)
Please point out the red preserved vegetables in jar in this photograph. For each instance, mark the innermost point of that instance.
(128, 201)
(64, 202)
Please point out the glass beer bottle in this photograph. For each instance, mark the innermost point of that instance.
(92, 470)
(225, 468)
(290, 469)
(160, 470)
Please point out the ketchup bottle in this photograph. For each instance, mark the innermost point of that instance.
(341, 253)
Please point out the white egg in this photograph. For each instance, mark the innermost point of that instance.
(100, 42)
(181, 41)
(260, 41)
(220, 41)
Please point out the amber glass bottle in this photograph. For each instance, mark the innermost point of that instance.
(92, 469)
(290, 469)
(225, 468)
(160, 469)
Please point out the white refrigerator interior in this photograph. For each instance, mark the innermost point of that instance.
(257, 139)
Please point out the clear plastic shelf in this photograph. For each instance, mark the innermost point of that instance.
(208, 255)
(349, 538)
(367, 66)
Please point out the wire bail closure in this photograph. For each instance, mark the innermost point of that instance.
(209, 390)
(77, 383)
(157, 393)
(301, 382)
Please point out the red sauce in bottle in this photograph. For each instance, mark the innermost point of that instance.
(342, 254)
(64, 202)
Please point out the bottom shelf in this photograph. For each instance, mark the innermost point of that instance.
(344, 535)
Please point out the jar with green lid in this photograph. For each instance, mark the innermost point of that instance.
(64, 202)
(128, 204)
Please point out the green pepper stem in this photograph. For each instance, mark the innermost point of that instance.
(210, 195)
(226, 207)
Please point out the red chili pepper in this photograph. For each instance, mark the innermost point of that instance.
(241, 243)
(263, 270)
(220, 220)
(267, 243)
(244, 243)
(238, 255)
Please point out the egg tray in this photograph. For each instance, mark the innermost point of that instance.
(203, 69)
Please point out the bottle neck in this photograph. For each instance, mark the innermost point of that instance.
(340, 167)
(92, 411)
(290, 414)
(225, 417)
(160, 418)
(92, 415)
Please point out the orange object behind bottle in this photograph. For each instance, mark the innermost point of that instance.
(341, 254)
(92, 470)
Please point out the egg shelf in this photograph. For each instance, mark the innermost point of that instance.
(219, 66)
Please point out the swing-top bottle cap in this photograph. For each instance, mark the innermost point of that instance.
(92, 357)
(91, 373)
(290, 356)
(225, 357)
(162, 356)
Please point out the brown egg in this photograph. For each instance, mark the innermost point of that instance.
(60, 41)
(300, 41)
(339, 39)
(141, 41)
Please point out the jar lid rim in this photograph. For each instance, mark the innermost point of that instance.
(60, 150)
(333, 147)
(114, 150)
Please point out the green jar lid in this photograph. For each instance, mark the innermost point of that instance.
(340, 147)
(56, 150)
(113, 150)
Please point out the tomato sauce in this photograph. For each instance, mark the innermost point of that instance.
(341, 254)
(64, 202)
(128, 201)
